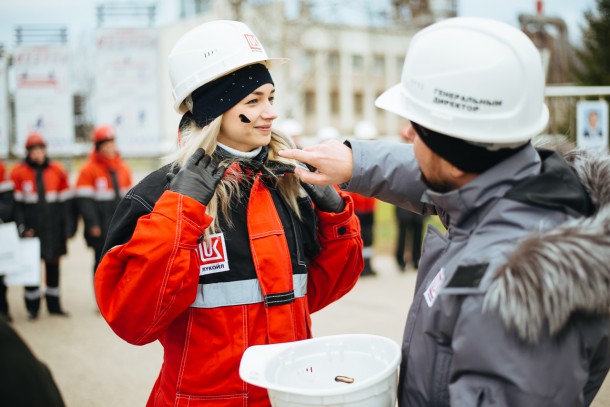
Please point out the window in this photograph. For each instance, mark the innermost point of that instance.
(358, 104)
(379, 64)
(357, 62)
(310, 102)
(400, 61)
(334, 102)
(333, 61)
(308, 60)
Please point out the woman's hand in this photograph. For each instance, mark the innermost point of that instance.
(198, 178)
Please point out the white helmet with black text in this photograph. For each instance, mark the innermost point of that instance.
(209, 51)
(328, 133)
(474, 79)
(365, 130)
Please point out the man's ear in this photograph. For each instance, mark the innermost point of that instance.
(461, 177)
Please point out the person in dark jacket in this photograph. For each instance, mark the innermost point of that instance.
(7, 212)
(512, 303)
(102, 181)
(43, 198)
(410, 226)
(24, 380)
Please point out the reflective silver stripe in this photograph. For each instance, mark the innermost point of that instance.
(240, 292)
(32, 295)
(367, 252)
(97, 195)
(50, 197)
(84, 192)
(104, 195)
(6, 186)
(66, 195)
(52, 291)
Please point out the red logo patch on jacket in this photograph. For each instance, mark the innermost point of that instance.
(212, 255)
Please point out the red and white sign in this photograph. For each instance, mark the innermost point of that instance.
(127, 93)
(4, 112)
(43, 97)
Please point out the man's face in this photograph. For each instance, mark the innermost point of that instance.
(434, 169)
(593, 118)
(37, 154)
(108, 149)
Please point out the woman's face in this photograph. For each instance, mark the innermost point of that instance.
(257, 108)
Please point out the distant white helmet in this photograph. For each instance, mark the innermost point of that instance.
(291, 127)
(209, 51)
(474, 79)
(365, 130)
(328, 133)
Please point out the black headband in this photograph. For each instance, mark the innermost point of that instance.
(216, 97)
(466, 156)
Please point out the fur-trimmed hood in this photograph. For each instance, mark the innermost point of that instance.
(554, 274)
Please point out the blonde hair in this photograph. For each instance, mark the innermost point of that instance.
(228, 190)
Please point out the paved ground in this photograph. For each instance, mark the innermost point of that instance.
(93, 367)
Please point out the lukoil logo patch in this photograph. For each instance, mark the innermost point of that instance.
(212, 255)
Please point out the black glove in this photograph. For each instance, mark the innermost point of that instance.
(326, 198)
(198, 178)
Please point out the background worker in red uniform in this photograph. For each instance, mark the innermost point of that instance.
(230, 252)
(365, 206)
(7, 213)
(43, 198)
(102, 181)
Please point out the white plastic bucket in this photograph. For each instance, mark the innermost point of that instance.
(355, 370)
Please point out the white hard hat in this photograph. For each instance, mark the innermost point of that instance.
(328, 133)
(291, 127)
(350, 370)
(210, 51)
(365, 130)
(474, 79)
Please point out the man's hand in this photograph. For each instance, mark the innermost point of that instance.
(332, 160)
(198, 178)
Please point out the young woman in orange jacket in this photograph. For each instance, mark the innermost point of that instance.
(223, 248)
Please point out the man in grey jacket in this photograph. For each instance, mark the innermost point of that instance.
(512, 303)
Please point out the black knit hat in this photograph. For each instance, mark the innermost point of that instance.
(466, 156)
(216, 97)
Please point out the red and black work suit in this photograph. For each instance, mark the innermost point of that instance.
(255, 282)
(7, 213)
(100, 185)
(43, 202)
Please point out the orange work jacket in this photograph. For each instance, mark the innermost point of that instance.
(149, 288)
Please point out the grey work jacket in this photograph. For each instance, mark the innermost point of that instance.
(478, 333)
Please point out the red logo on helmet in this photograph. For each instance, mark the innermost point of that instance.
(253, 42)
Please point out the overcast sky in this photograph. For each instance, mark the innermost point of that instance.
(79, 15)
